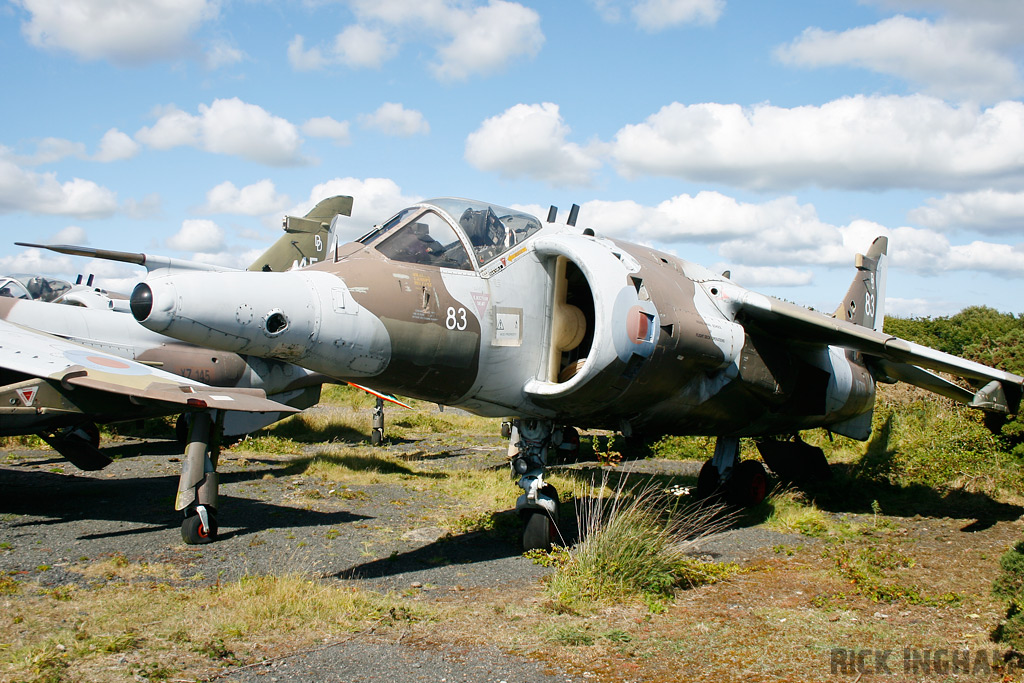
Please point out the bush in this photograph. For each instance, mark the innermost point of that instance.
(635, 545)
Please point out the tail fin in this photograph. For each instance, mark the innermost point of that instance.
(864, 303)
(306, 239)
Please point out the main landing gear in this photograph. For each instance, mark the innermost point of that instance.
(529, 444)
(741, 482)
(197, 488)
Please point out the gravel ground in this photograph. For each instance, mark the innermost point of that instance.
(54, 517)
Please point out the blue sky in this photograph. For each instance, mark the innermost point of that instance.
(775, 139)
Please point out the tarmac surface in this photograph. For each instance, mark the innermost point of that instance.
(273, 520)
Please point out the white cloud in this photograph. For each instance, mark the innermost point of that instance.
(228, 126)
(70, 235)
(197, 235)
(485, 39)
(123, 32)
(374, 200)
(221, 54)
(150, 206)
(855, 142)
(1000, 11)
(42, 193)
(469, 38)
(36, 261)
(302, 59)
(392, 118)
(529, 140)
(116, 146)
(257, 199)
(767, 243)
(952, 58)
(51, 150)
(988, 211)
(657, 15)
(767, 276)
(361, 47)
(326, 127)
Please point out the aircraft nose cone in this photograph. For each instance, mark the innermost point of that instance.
(141, 302)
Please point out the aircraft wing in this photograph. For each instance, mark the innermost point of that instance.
(893, 357)
(386, 397)
(35, 353)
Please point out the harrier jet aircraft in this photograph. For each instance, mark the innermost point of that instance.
(100, 321)
(469, 304)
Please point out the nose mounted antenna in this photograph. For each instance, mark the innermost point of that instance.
(574, 213)
(552, 213)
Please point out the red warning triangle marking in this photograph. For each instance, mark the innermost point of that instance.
(28, 394)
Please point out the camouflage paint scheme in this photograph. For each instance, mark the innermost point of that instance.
(482, 307)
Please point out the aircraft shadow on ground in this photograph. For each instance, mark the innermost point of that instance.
(146, 500)
(854, 488)
(468, 548)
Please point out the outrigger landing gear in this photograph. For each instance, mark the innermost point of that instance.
(197, 488)
(529, 442)
(377, 430)
(79, 444)
(743, 483)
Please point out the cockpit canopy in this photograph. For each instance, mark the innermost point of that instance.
(444, 232)
(38, 287)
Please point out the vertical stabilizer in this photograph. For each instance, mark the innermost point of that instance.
(306, 240)
(864, 303)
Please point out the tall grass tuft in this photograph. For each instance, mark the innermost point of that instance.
(635, 544)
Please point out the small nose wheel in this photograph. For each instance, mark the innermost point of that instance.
(539, 532)
(199, 527)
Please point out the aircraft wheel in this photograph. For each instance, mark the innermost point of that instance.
(194, 533)
(749, 484)
(181, 427)
(90, 433)
(540, 530)
(376, 436)
(707, 480)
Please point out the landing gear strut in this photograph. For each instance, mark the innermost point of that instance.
(742, 483)
(199, 483)
(377, 430)
(529, 442)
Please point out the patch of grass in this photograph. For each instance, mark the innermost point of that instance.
(26, 441)
(792, 512)
(1009, 586)
(265, 443)
(90, 635)
(870, 570)
(411, 423)
(634, 546)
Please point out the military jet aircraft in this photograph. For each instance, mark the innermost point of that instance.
(100, 321)
(88, 319)
(469, 304)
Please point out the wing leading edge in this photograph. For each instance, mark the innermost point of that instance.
(30, 352)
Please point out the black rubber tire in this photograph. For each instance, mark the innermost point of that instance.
(376, 436)
(91, 433)
(707, 481)
(181, 429)
(539, 530)
(194, 533)
(749, 484)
